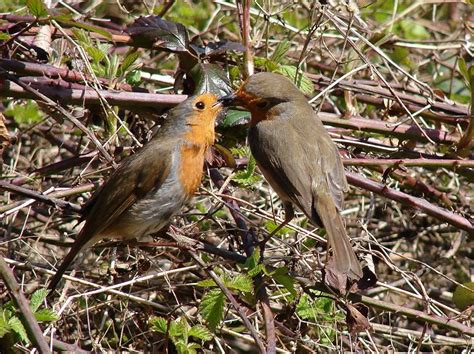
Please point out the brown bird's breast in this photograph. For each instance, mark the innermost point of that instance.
(154, 211)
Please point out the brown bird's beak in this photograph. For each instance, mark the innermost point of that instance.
(230, 100)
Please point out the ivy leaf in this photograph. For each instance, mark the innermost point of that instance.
(200, 332)
(37, 298)
(212, 308)
(303, 82)
(153, 30)
(37, 8)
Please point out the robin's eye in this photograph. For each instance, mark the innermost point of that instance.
(200, 105)
(262, 104)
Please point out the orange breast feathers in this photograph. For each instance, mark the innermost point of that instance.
(192, 161)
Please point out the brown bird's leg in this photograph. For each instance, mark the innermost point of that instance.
(289, 215)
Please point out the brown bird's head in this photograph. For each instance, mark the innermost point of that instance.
(263, 95)
(197, 115)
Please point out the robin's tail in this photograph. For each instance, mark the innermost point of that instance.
(81, 243)
(345, 259)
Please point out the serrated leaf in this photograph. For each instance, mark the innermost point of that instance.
(24, 112)
(280, 51)
(303, 82)
(210, 78)
(147, 31)
(37, 8)
(17, 327)
(37, 298)
(4, 326)
(281, 276)
(200, 332)
(46, 315)
(304, 308)
(241, 283)
(158, 324)
(4, 36)
(212, 308)
(256, 270)
(206, 283)
(234, 117)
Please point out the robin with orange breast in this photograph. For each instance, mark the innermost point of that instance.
(298, 158)
(151, 186)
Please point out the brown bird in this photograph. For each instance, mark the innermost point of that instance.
(298, 158)
(151, 186)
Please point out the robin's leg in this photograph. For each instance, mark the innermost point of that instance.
(289, 215)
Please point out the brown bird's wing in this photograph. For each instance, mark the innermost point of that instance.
(291, 158)
(126, 184)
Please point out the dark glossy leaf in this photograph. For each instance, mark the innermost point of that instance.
(210, 78)
(234, 117)
(147, 31)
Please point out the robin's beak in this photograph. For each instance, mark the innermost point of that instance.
(230, 100)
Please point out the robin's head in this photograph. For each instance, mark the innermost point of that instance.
(200, 113)
(263, 94)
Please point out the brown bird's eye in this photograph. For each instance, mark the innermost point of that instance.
(262, 104)
(200, 105)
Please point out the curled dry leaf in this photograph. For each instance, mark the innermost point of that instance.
(356, 318)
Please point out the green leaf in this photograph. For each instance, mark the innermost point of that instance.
(4, 36)
(46, 315)
(270, 226)
(128, 61)
(200, 332)
(280, 51)
(463, 70)
(212, 308)
(253, 264)
(241, 283)
(25, 112)
(305, 308)
(281, 276)
(413, 30)
(303, 82)
(234, 117)
(158, 324)
(462, 297)
(206, 283)
(37, 298)
(37, 8)
(17, 327)
(4, 326)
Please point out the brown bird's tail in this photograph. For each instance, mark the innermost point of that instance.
(73, 252)
(345, 259)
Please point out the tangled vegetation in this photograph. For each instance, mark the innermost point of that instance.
(85, 84)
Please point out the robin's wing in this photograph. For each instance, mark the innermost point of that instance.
(279, 152)
(333, 169)
(133, 179)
